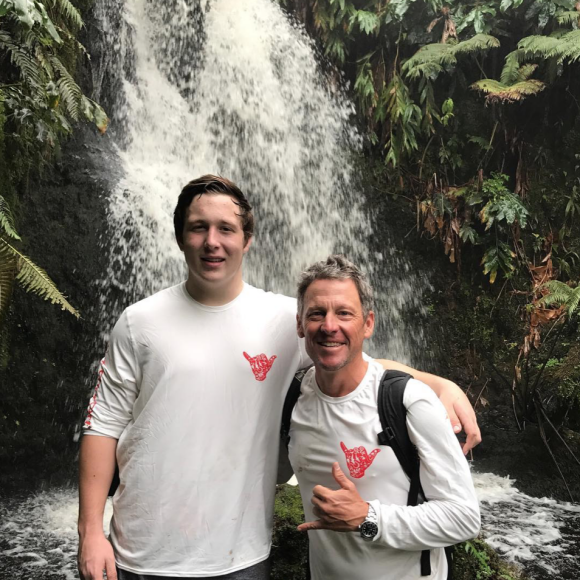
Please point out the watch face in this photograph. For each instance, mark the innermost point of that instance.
(368, 530)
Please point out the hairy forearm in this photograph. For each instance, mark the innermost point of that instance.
(96, 467)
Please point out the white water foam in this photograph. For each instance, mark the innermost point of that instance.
(38, 534)
(248, 102)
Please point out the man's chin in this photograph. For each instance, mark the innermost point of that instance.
(330, 366)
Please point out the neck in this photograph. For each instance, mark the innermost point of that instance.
(211, 296)
(343, 381)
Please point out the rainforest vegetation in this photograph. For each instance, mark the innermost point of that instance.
(470, 114)
(471, 111)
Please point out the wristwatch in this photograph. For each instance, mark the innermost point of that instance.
(369, 528)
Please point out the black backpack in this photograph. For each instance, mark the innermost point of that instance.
(393, 417)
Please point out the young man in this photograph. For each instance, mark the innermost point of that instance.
(188, 403)
(333, 443)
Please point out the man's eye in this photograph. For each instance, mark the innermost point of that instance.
(315, 315)
(197, 228)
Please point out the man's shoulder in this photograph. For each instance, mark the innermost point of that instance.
(157, 302)
(271, 299)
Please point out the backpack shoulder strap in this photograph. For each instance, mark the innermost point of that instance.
(393, 416)
(289, 403)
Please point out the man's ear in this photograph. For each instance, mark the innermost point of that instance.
(248, 244)
(299, 328)
(369, 324)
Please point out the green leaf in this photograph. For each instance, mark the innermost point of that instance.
(7, 219)
(367, 21)
(33, 278)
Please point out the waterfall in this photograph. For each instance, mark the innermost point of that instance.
(234, 88)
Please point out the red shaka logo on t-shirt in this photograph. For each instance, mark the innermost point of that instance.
(260, 364)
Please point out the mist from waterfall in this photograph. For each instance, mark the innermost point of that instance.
(234, 88)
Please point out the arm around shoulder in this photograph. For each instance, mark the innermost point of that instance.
(456, 403)
(452, 513)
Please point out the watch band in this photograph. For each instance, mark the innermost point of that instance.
(369, 528)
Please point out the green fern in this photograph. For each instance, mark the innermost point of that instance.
(432, 58)
(497, 92)
(30, 276)
(64, 7)
(69, 91)
(7, 220)
(7, 275)
(562, 295)
(23, 60)
(565, 48)
(568, 18)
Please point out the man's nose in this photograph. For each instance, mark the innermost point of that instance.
(330, 324)
(212, 238)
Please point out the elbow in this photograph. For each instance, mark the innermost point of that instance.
(471, 523)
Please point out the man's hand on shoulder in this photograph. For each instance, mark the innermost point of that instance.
(341, 510)
(456, 403)
(95, 555)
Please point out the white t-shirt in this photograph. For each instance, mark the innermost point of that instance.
(194, 394)
(327, 429)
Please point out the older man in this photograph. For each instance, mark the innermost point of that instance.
(351, 484)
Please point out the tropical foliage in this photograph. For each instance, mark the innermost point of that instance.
(39, 103)
(15, 266)
(473, 108)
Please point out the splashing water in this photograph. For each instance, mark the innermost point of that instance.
(38, 536)
(233, 88)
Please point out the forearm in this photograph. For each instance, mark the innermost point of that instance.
(96, 469)
(434, 524)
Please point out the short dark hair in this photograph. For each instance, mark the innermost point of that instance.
(336, 267)
(212, 184)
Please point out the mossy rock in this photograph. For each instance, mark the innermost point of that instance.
(473, 560)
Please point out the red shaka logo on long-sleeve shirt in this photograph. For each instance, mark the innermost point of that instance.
(358, 460)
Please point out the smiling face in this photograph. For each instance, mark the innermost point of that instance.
(214, 246)
(333, 324)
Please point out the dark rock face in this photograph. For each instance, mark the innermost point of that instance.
(46, 382)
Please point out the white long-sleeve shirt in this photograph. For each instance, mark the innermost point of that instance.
(327, 429)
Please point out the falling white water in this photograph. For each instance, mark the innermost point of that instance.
(234, 88)
(38, 536)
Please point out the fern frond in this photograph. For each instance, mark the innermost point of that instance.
(71, 14)
(525, 72)
(7, 274)
(537, 46)
(69, 91)
(562, 295)
(498, 92)
(441, 55)
(30, 70)
(7, 219)
(509, 73)
(433, 58)
(477, 43)
(569, 17)
(33, 278)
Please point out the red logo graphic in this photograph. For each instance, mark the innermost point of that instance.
(93, 400)
(358, 460)
(260, 364)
